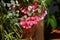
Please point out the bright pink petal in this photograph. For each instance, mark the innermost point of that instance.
(25, 11)
(35, 3)
(24, 27)
(29, 8)
(29, 26)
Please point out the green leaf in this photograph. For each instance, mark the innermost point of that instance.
(53, 17)
(8, 4)
(24, 0)
(0, 27)
(25, 16)
(48, 21)
(16, 24)
(53, 24)
(48, 2)
(52, 21)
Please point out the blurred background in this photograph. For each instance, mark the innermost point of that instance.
(11, 32)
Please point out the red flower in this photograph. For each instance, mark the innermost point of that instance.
(37, 18)
(32, 20)
(35, 5)
(25, 24)
(29, 22)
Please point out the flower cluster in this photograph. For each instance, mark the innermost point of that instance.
(29, 22)
(30, 8)
(32, 20)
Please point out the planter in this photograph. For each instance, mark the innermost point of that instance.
(37, 32)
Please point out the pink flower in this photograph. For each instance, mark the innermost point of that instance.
(30, 18)
(25, 24)
(43, 15)
(34, 7)
(29, 8)
(33, 20)
(25, 11)
(29, 26)
(30, 23)
(37, 18)
(35, 3)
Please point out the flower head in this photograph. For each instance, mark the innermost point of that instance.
(25, 11)
(29, 8)
(35, 3)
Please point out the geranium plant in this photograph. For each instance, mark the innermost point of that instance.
(15, 16)
(28, 20)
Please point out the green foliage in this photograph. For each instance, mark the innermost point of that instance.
(48, 2)
(58, 1)
(50, 20)
(9, 19)
(9, 23)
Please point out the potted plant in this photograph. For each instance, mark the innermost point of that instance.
(21, 19)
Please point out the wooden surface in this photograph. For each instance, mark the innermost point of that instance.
(39, 32)
(55, 39)
(55, 31)
(55, 34)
